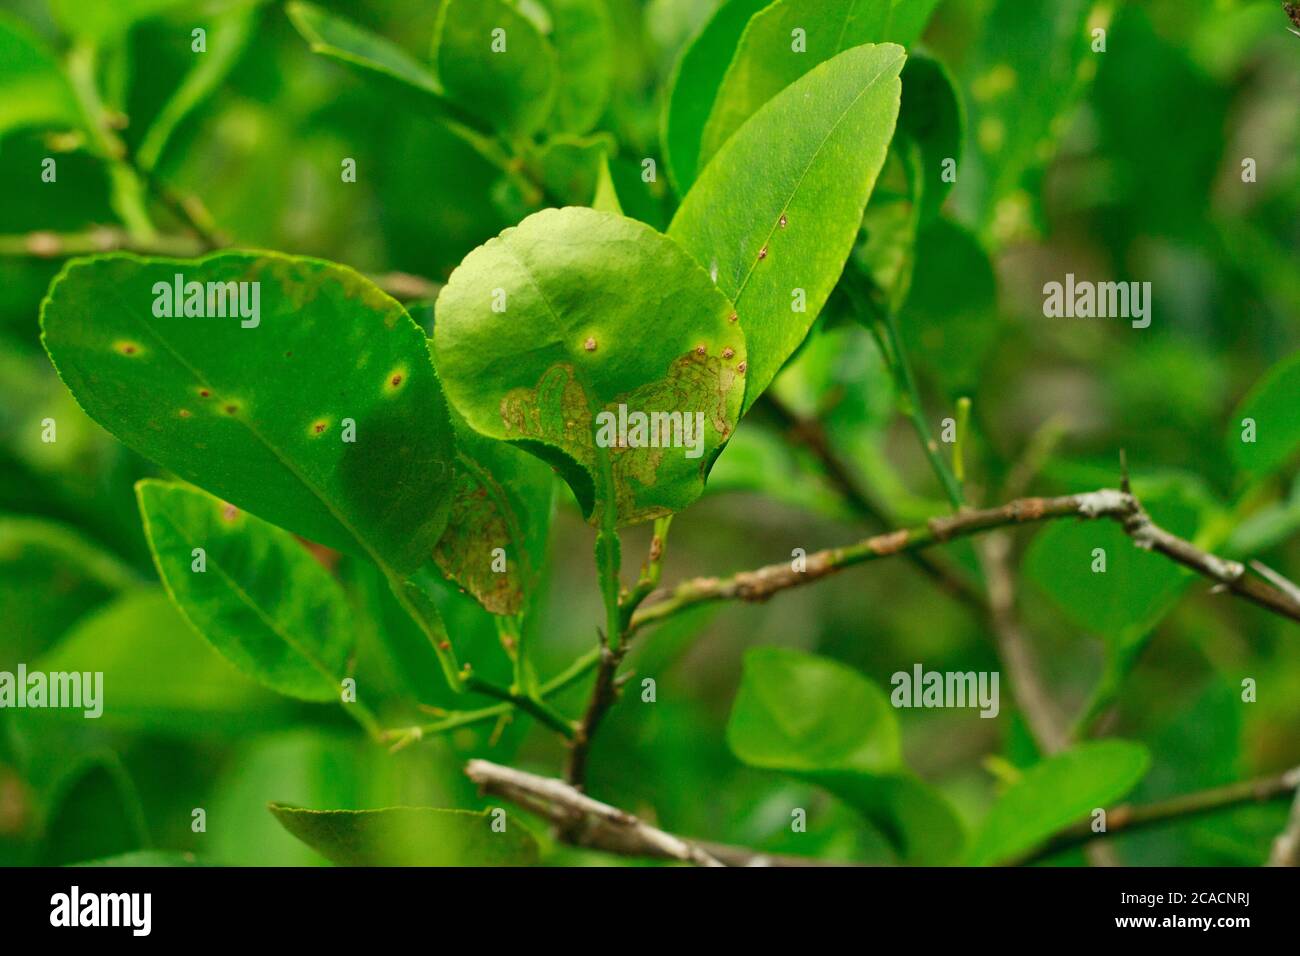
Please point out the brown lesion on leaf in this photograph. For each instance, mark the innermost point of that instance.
(464, 552)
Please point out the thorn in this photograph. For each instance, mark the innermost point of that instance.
(1123, 473)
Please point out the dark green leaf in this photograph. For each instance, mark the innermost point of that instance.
(930, 120)
(409, 836)
(584, 47)
(1274, 410)
(694, 86)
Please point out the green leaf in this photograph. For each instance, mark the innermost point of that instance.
(596, 312)
(1028, 69)
(33, 88)
(258, 415)
(570, 166)
(584, 47)
(409, 836)
(778, 209)
(106, 22)
(768, 60)
(159, 677)
(694, 86)
(1273, 408)
(931, 123)
(396, 70)
(95, 812)
(49, 577)
(815, 719)
(228, 36)
(1122, 604)
(492, 60)
(262, 600)
(146, 858)
(342, 40)
(503, 500)
(1051, 795)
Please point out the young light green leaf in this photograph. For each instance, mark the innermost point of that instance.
(250, 589)
(33, 88)
(409, 836)
(1264, 432)
(930, 122)
(548, 333)
(494, 62)
(319, 412)
(1051, 795)
(582, 35)
(342, 40)
(694, 87)
(789, 38)
(818, 720)
(775, 214)
(495, 542)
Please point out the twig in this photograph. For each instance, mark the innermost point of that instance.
(604, 693)
(1286, 848)
(1127, 818)
(583, 821)
(809, 433)
(760, 584)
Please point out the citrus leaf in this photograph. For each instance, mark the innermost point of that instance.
(770, 57)
(584, 47)
(502, 501)
(930, 119)
(260, 415)
(1053, 794)
(493, 62)
(409, 836)
(33, 88)
(575, 313)
(1273, 408)
(815, 719)
(694, 85)
(777, 210)
(261, 599)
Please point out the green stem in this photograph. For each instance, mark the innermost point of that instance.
(650, 574)
(128, 188)
(537, 708)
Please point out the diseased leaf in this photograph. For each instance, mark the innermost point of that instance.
(33, 88)
(694, 87)
(818, 720)
(409, 836)
(492, 60)
(1053, 794)
(777, 210)
(791, 37)
(576, 312)
(259, 415)
(1274, 409)
(582, 35)
(262, 600)
(502, 501)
